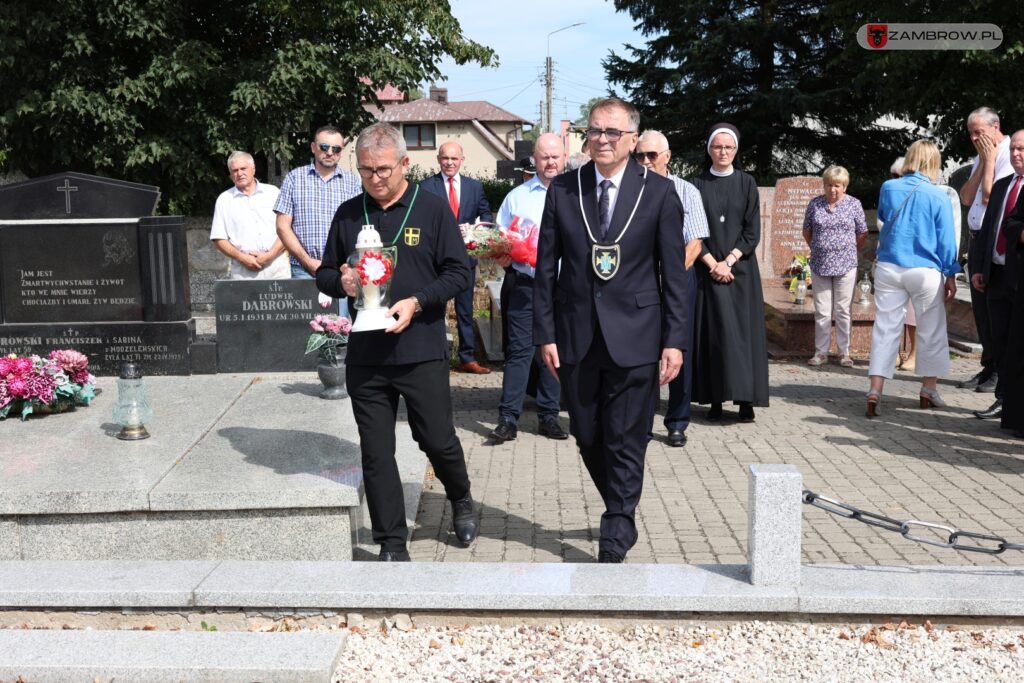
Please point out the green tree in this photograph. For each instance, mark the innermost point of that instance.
(159, 92)
(780, 70)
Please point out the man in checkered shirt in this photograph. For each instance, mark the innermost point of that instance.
(309, 197)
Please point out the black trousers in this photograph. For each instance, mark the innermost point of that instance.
(999, 297)
(374, 391)
(610, 410)
(979, 306)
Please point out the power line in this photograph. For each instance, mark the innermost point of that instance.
(519, 93)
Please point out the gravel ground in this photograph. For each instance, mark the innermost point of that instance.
(745, 651)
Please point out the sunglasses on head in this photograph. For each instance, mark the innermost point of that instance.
(650, 156)
(325, 147)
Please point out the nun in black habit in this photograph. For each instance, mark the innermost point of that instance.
(731, 354)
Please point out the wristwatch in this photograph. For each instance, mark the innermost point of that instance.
(730, 256)
(419, 306)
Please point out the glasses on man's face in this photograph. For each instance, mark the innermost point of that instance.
(650, 156)
(324, 147)
(382, 172)
(722, 148)
(613, 134)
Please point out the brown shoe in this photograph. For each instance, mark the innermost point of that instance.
(472, 368)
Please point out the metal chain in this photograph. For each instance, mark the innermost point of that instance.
(953, 536)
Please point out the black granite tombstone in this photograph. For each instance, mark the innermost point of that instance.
(83, 265)
(263, 325)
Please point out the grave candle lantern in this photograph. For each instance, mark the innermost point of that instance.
(132, 410)
(865, 290)
(373, 264)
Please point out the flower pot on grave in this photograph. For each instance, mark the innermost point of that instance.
(333, 378)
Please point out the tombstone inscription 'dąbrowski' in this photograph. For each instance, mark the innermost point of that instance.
(263, 325)
(84, 265)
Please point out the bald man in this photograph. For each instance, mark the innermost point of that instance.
(652, 151)
(465, 196)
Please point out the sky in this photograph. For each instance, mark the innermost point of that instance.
(518, 32)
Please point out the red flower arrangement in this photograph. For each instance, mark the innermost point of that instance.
(374, 268)
(523, 236)
(56, 383)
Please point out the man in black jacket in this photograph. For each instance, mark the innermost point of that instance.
(993, 267)
(410, 358)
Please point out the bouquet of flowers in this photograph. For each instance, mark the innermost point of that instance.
(799, 269)
(522, 236)
(484, 240)
(53, 384)
(329, 332)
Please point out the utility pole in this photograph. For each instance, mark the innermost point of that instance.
(547, 86)
(548, 77)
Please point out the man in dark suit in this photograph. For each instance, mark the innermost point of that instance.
(466, 198)
(609, 308)
(993, 267)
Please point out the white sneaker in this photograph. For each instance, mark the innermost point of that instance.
(817, 359)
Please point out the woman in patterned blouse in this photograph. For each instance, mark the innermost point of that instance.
(834, 228)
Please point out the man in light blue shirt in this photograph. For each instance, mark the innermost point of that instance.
(652, 151)
(527, 203)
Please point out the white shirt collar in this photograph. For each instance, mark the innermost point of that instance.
(616, 179)
(235, 191)
(722, 174)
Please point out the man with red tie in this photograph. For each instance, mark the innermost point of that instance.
(993, 265)
(468, 202)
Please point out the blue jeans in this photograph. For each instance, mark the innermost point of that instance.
(300, 273)
(677, 414)
(519, 354)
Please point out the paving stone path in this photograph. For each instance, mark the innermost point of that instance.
(942, 466)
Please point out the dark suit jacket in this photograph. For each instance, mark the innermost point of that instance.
(472, 200)
(979, 259)
(642, 309)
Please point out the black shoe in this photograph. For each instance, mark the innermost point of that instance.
(608, 557)
(505, 431)
(989, 385)
(394, 556)
(746, 413)
(551, 429)
(993, 412)
(715, 412)
(676, 437)
(973, 382)
(464, 519)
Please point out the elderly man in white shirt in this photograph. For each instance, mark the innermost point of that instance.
(244, 225)
(991, 164)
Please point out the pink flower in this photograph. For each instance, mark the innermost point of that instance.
(18, 387)
(315, 324)
(6, 366)
(41, 386)
(5, 396)
(346, 325)
(70, 360)
(22, 364)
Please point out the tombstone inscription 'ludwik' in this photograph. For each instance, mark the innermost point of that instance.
(263, 325)
(84, 264)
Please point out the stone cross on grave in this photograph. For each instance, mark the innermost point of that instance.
(67, 190)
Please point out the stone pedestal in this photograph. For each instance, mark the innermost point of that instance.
(773, 543)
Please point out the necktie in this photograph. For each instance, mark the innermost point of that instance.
(602, 208)
(1011, 201)
(453, 199)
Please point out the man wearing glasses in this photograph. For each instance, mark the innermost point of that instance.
(610, 320)
(465, 196)
(309, 197)
(653, 152)
(409, 359)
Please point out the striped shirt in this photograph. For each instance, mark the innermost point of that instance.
(695, 221)
(311, 202)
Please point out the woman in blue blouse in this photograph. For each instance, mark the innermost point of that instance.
(916, 261)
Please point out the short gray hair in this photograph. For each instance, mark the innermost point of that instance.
(617, 103)
(988, 114)
(381, 136)
(238, 154)
(655, 136)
